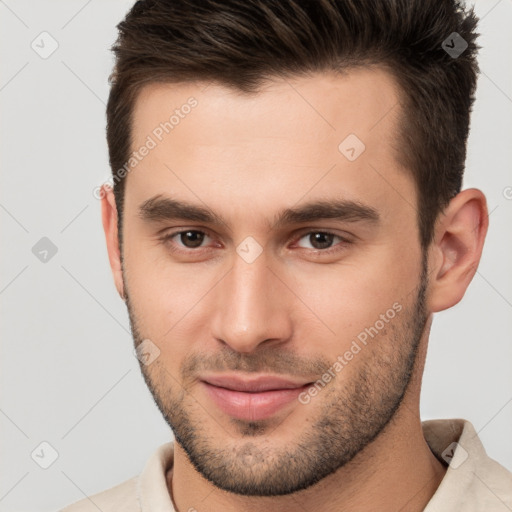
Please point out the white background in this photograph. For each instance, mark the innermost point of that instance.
(68, 375)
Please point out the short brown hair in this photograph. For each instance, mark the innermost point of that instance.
(242, 43)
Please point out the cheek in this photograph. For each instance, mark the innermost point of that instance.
(154, 279)
(349, 298)
(168, 299)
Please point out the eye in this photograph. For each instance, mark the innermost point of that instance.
(320, 240)
(188, 239)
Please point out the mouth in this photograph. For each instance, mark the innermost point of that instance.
(252, 399)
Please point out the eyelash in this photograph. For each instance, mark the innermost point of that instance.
(167, 240)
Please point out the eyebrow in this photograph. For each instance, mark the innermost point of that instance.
(160, 208)
(338, 209)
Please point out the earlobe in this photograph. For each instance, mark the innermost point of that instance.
(110, 227)
(457, 248)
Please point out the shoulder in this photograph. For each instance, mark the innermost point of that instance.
(122, 497)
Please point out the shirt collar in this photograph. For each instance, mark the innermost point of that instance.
(152, 492)
(473, 481)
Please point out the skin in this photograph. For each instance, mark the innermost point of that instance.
(295, 308)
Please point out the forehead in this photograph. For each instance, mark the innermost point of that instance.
(322, 104)
(292, 136)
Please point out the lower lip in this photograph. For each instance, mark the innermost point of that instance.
(252, 406)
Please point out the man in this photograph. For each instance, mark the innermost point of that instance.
(286, 217)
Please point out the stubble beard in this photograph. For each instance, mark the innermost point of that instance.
(348, 420)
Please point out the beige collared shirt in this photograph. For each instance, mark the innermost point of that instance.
(473, 481)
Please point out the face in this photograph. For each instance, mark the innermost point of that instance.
(259, 241)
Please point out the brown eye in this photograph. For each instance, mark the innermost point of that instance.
(319, 240)
(189, 243)
(191, 239)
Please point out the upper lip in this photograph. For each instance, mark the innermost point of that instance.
(254, 384)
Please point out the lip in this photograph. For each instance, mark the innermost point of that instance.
(252, 399)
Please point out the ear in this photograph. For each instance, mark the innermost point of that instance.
(109, 219)
(456, 249)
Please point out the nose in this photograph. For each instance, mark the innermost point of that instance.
(252, 307)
